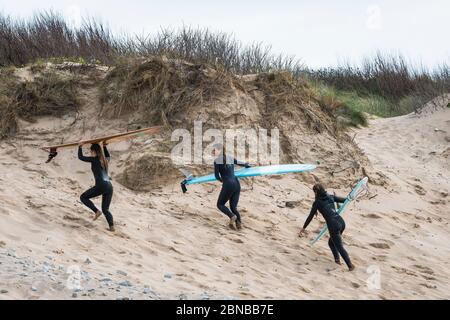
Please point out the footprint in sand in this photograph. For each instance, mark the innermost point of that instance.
(371, 216)
(420, 190)
(404, 271)
(424, 269)
(237, 240)
(380, 245)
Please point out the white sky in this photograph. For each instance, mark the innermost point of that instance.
(320, 33)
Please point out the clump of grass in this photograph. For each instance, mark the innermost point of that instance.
(8, 119)
(47, 35)
(49, 94)
(160, 87)
(348, 109)
(386, 84)
(286, 94)
(143, 172)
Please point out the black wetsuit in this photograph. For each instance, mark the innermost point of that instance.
(336, 225)
(103, 186)
(231, 188)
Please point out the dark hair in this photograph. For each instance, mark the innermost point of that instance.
(319, 189)
(99, 152)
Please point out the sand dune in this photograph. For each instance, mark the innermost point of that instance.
(174, 246)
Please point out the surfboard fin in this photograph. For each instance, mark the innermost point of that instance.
(51, 155)
(188, 176)
(183, 186)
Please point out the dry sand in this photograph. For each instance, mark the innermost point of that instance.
(174, 246)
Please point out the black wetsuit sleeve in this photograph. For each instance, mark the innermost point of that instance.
(82, 157)
(240, 163)
(216, 172)
(339, 199)
(311, 215)
(106, 152)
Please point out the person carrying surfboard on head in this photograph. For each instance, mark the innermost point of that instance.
(324, 203)
(99, 160)
(231, 188)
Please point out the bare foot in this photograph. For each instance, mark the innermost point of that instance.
(232, 222)
(112, 229)
(338, 261)
(238, 225)
(97, 215)
(351, 268)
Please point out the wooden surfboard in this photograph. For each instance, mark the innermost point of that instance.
(105, 139)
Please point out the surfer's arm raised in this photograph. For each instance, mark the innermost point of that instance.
(240, 163)
(216, 172)
(106, 152)
(82, 157)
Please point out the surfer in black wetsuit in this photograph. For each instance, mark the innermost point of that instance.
(99, 165)
(231, 188)
(324, 203)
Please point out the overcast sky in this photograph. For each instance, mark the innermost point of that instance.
(320, 33)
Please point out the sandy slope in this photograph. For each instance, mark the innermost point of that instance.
(175, 246)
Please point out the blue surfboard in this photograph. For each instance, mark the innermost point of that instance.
(253, 172)
(350, 197)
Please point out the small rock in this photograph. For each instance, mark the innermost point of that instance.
(3, 291)
(205, 296)
(87, 261)
(182, 297)
(105, 280)
(74, 295)
(167, 276)
(125, 283)
(122, 273)
(33, 289)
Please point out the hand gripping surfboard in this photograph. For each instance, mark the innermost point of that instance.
(52, 150)
(351, 196)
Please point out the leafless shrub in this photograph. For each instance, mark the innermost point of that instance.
(160, 87)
